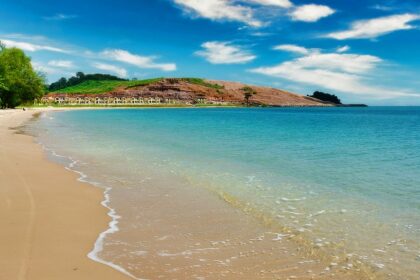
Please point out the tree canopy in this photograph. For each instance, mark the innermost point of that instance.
(19, 83)
(326, 97)
(248, 93)
(80, 78)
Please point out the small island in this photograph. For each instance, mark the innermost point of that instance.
(332, 98)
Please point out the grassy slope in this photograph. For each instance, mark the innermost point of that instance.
(201, 82)
(95, 87)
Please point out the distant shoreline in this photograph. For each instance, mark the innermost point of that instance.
(93, 106)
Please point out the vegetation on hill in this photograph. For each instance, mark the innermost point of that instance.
(80, 78)
(103, 86)
(95, 86)
(326, 97)
(202, 82)
(248, 93)
(19, 83)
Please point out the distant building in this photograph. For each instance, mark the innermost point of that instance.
(119, 98)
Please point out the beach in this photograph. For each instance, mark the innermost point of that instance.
(179, 211)
(50, 221)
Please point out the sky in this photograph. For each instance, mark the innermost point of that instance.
(363, 51)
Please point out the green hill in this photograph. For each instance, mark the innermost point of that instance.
(95, 87)
(103, 86)
(174, 91)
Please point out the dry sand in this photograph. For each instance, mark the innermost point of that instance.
(49, 220)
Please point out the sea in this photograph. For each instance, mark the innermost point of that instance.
(249, 193)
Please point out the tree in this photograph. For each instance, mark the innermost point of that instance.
(19, 83)
(80, 78)
(248, 93)
(326, 97)
(80, 75)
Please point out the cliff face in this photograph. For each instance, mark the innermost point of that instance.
(221, 91)
(269, 96)
(191, 91)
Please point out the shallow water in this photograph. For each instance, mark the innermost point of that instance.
(342, 185)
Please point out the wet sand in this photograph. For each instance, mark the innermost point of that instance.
(173, 231)
(49, 220)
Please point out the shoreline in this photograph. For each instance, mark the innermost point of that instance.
(244, 232)
(78, 184)
(51, 218)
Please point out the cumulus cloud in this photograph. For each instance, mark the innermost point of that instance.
(121, 72)
(245, 11)
(343, 49)
(220, 10)
(31, 47)
(311, 12)
(348, 73)
(373, 28)
(61, 63)
(292, 48)
(147, 62)
(276, 3)
(49, 70)
(224, 53)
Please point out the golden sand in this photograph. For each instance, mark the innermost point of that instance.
(49, 221)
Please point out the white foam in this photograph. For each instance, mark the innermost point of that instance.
(317, 213)
(293, 199)
(279, 236)
(184, 253)
(112, 225)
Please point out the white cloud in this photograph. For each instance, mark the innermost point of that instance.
(220, 10)
(348, 73)
(31, 47)
(137, 60)
(343, 49)
(60, 17)
(373, 28)
(245, 10)
(311, 13)
(61, 63)
(382, 8)
(277, 3)
(111, 68)
(292, 48)
(224, 53)
(49, 70)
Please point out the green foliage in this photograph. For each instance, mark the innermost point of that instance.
(19, 83)
(95, 86)
(80, 78)
(137, 83)
(202, 82)
(102, 86)
(326, 97)
(248, 93)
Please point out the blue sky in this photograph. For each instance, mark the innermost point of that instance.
(363, 51)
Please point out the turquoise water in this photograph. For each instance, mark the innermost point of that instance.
(346, 181)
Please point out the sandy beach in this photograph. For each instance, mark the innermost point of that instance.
(50, 221)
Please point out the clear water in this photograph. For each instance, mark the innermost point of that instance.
(344, 182)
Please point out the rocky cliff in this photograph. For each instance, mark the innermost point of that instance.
(220, 91)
